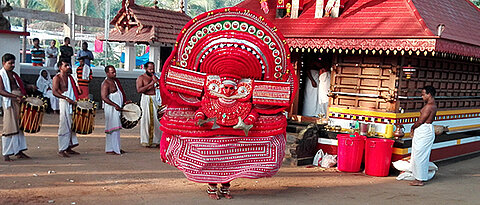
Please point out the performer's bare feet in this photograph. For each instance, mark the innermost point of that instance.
(70, 151)
(7, 158)
(212, 191)
(63, 154)
(416, 183)
(22, 155)
(112, 153)
(225, 191)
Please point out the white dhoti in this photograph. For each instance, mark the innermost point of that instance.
(66, 138)
(310, 99)
(113, 123)
(422, 142)
(323, 89)
(149, 125)
(12, 145)
(13, 140)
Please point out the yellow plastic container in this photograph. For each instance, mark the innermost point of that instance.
(388, 131)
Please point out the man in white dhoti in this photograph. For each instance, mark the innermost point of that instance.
(147, 84)
(323, 89)
(113, 97)
(65, 88)
(310, 100)
(423, 135)
(44, 85)
(12, 90)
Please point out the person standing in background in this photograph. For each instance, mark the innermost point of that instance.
(323, 89)
(52, 53)
(84, 76)
(310, 100)
(66, 51)
(38, 54)
(85, 53)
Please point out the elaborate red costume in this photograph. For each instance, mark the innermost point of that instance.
(226, 84)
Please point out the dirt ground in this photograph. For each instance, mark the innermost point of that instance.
(139, 177)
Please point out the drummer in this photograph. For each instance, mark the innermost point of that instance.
(65, 88)
(114, 98)
(147, 85)
(12, 90)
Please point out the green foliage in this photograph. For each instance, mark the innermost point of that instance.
(476, 2)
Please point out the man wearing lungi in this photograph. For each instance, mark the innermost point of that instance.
(113, 97)
(423, 135)
(12, 90)
(65, 88)
(147, 84)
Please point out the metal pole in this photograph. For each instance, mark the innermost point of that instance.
(24, 39)
(107, 30)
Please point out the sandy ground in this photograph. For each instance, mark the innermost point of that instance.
(139, 177)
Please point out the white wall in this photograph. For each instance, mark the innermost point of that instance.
(10, 43)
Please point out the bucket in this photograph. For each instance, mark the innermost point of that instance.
(363, 128)
(350, 152)
(378, 155)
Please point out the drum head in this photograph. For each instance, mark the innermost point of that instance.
(85, 105)
(35, 101)
(134, 112)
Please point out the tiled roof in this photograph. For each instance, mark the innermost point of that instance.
(361, 19)
(159, 25)
(409, 25)
(145, 36)
(460, 17)
(382, 19)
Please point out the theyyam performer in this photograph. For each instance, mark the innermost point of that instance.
(226, 85)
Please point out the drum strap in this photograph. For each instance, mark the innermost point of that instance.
(121, 90)
(74, 86)
(20, 84)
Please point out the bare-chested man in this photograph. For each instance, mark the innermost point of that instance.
(12, 90)
(147, 84)
(423, 135)
(65, 88)
(114, 98)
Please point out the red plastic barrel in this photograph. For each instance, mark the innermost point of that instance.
(378, 155)
(350, 152)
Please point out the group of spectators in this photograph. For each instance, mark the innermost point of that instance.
(49, 57)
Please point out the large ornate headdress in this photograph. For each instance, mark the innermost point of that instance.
(230, 41)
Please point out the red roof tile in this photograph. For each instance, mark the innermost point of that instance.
(460, 17)
(361, 19)
(159, 25)
(145, 36)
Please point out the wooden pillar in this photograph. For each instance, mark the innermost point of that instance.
(130, 55)
(154, 56)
